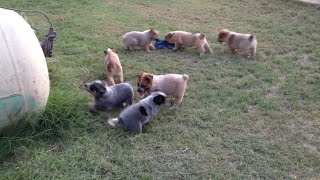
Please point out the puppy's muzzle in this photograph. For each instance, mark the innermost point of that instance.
(141, 89)
(220, 40)
(87, 87)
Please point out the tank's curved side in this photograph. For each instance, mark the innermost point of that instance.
(24, 79)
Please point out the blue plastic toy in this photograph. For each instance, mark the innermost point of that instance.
(163, 44)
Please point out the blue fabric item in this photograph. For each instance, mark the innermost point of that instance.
(162, 44)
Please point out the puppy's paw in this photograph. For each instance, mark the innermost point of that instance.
(94, 112)
(152, 47)
(113, 122)
(168, 104)
(91, 105)
(92, 109)
(128, 49)
(173, 107)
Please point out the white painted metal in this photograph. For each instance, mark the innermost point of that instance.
(24, 79)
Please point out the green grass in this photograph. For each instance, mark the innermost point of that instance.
(240, 118)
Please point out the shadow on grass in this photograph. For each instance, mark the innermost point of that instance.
(54, 123)
(23, 133)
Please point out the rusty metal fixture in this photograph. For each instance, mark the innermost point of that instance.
(47, 43)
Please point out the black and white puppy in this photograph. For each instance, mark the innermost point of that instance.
(107, 97)
(135, 116)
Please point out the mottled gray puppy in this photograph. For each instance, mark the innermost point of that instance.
(135, 116)
(107, 97)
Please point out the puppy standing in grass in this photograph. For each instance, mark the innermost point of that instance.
(171, 84)
(187, 39)
(135, 116)
(107, 97)
(136, 39)
(245, 45)
(113, 66)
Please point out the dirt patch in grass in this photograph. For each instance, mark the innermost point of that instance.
(274, 89)
(305, 60)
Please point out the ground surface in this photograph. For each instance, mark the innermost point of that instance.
(240, 119)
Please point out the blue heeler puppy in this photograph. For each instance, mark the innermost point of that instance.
(107, 97)
(135, 116)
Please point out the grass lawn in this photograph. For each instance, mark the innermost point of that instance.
(240, 118)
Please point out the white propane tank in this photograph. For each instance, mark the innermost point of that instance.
(24, 78)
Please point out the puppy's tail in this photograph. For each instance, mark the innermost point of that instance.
(185, 77)
(202, 36)
(113, 122)
(251, 38)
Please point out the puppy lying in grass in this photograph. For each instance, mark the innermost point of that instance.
(135, 39)
(107, 97)
(135, 116)
(187, 39)
(245, 45)
(113, 66)
(171, 84)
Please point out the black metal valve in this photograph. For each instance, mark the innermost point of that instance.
(47, 43)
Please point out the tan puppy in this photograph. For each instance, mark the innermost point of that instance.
(136, 39)
(171, 84)
(243, 44)
(187, 39)
(113, 66)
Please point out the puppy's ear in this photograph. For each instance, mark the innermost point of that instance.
(202, 36)
(169, 35)
(143, 110)
(115, 51)
(140, 74)
(149, 77)
(105, 52)
(158, 100)
(153, 32)
(251, 38)
(98, 88)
